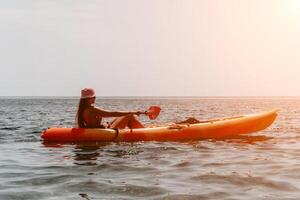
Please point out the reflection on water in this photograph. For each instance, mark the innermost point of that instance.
(88, 153)
(263, 165)
(249, 139)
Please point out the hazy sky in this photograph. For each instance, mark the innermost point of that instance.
(150, 47)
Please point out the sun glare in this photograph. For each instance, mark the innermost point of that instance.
(293, 7)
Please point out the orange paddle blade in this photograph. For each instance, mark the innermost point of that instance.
(153, 112)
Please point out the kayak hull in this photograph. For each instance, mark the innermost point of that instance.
(210, 129)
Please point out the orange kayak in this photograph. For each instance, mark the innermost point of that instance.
(211, 129)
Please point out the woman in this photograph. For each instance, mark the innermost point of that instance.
(89, 116)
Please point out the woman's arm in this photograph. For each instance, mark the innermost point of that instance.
(105, 113)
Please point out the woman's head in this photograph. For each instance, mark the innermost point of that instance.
(88, 95)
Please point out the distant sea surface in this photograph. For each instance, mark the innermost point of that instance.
(264, 165)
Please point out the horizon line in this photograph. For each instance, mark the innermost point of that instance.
(155, 96)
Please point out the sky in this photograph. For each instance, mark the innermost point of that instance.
(150, 47)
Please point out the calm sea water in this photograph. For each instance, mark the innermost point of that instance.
(265, 165)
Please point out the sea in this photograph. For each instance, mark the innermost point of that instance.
(262, 165)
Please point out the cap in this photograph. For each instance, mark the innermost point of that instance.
(87, 93)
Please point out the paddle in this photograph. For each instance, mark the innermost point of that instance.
(152, 112)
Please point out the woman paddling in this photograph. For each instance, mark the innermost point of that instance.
(89, 116)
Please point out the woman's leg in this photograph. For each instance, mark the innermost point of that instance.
(129, 121)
